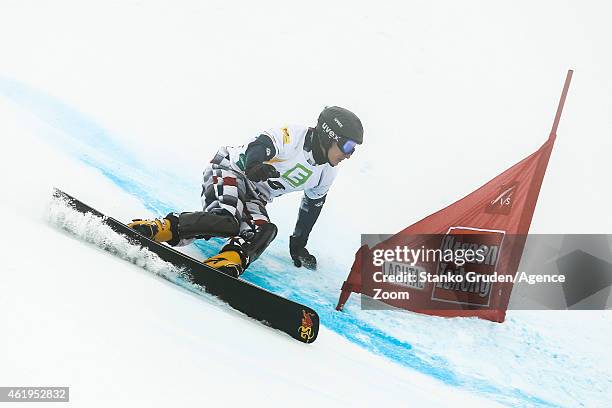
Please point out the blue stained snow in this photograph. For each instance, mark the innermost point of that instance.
(85, 140)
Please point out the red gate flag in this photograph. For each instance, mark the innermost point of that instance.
(500, 210)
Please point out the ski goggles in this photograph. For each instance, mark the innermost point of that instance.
(347, 146)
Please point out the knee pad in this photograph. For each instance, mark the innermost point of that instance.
(260, 239)
(202, 224)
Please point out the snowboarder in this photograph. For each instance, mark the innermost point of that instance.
(240, 181)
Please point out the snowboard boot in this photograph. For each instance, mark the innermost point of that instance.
(158, 229)
(228, 262)
(232, 260)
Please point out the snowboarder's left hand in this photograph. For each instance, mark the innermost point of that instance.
(261, 172)
(300, 255)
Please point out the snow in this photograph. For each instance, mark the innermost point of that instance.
(115, 332)
(122, 104)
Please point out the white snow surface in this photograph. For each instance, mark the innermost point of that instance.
(111, 329)
(122, 104)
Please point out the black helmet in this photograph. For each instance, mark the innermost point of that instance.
(336, 123)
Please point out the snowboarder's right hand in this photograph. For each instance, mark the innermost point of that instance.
(300, 255)
(261, 172)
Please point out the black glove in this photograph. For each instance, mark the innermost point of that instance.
(300, 255)
(261, 172)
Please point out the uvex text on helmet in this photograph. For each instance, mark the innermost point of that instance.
(335, 121)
